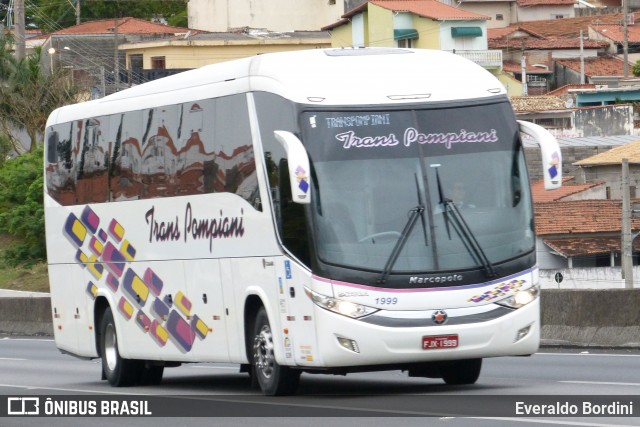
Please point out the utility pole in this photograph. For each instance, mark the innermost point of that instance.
(77, 12)
(625, 43)
(18, 12)
(523, 64)
(116, 59)
(581, 59)
(627, 240)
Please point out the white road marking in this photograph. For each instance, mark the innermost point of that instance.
(601, 383)
(588, 354)
(563, 422)
(10, 358)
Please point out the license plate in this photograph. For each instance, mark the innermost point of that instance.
(439, 341)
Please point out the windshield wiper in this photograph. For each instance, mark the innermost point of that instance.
(395, 253)
(461, 226)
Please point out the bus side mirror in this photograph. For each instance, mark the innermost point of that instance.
(551, 155)
(299, 169)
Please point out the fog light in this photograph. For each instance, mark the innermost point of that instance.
(348, 344)
(522, 333)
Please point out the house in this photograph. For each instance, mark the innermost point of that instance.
(274, 15)
(502, 12)
(581, 240)
(147, 59)
(563, 119)
(599, 70)
(425, 24)
(607, 167)
(537, 10)
(614, 36)
(88, 50)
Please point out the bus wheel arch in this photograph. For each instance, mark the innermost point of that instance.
(273, 378)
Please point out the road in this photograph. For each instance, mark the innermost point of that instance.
(33, 366)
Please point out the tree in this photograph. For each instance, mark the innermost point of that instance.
(21, 207)
(52, 16)
(28, 95)
(636, 69)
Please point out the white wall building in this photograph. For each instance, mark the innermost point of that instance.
(275, 15)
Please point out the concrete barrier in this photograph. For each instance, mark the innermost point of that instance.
(591, 318)
(26, 316)
(570, 317)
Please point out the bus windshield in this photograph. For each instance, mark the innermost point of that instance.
(418, 190)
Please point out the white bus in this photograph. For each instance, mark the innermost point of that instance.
(296, 212)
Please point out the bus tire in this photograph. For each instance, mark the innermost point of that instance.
(462, 371)
(118, 371)
(273, 379)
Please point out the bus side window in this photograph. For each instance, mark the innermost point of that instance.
(294, 224)
(276, 113)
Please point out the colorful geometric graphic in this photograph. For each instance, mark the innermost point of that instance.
(109, 257)
(159, 310)
(180, 332)
(125, 308)
(95, 267)
(183, 303)
(153, 281)
(112, 282)
(499, 291)
(75, 230)
(114, 260)
(116, 231)
(96, 246)
(159, 334)
(201, 329)
(143, 321)
(90, 219)
(555, 161)
(92, 290)
(135, 287)
(128, 250)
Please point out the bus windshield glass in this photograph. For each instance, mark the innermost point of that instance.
(392, 188)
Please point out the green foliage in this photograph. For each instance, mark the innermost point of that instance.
(21, 207)
(636, 68)
(179, 20)
(51, 16)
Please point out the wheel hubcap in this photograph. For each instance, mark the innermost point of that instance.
(110, 347)
(263, 352)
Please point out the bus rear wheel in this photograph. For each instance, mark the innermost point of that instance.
(461, 371)
(273, 379)
(118, 371)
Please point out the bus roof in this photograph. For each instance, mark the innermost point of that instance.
(321, 77)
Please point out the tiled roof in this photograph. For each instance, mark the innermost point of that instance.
(537, 103)
(496, 33)
(516, 67)
(563, 90)
(125, 26)
(570, 27)
(616, 32)
(531, 3)
(541, 195)
(432, 9)
(600, 66)
(579, 217)
(544, 43)
(587, 246)
(614, 156)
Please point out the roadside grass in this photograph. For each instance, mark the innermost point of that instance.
(34, 279)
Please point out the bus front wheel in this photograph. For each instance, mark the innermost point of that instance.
(118, 371)
(461, 371)
(273, 379)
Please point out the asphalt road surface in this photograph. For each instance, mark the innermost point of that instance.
(34, 367)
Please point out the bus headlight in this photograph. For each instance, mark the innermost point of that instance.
(345, 308)
(521, 298)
